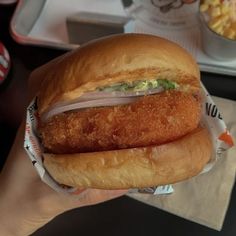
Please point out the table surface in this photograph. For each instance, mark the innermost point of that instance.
(123, 216)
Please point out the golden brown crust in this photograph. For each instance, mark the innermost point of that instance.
(151, 120)
(131, 168)
(124, 57)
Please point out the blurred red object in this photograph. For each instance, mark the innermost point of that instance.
(4, 63)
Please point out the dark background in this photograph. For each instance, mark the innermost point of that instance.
(122, 216)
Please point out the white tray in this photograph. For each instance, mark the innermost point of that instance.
(43, 23)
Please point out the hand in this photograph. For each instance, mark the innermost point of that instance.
(26, 203)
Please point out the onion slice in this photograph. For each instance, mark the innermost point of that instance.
(87, 104)
(115, 94)
(98, 99)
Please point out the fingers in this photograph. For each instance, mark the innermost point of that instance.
(91, 197)
(94, 196)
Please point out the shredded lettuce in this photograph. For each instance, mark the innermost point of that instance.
(140, 85)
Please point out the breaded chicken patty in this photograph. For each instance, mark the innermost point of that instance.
(151, 120)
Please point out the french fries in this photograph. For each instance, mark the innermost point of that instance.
(221, 16)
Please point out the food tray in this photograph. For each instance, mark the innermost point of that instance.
(43, 23)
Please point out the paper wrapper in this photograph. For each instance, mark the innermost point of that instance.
(211, 118)
(203, 199)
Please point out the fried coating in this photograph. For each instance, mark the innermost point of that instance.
(151, 120)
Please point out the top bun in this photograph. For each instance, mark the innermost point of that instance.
(125, 57)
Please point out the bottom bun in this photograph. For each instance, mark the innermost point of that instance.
(133, 168)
